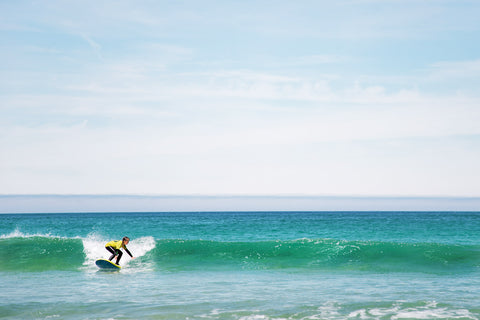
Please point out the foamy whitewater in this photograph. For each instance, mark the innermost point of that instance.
(242, 265)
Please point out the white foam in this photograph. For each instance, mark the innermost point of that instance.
(18, 234)
(255, 317)
(428, 311)
(330, 310)
(437, 313)
(139, 247)
(94, 248)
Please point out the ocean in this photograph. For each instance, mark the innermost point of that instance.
(242, 265)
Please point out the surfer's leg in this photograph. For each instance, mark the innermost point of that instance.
(112, 251)
(120, 253)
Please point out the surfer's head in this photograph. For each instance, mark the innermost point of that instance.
(126, 240)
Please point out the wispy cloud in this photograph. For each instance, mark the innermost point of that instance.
(94, 45)
(449, 70)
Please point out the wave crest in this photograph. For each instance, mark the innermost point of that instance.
(45, 252)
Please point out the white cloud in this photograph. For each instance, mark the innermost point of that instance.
(455, 70)
(184, 99)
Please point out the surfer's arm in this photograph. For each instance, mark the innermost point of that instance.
(126, 250)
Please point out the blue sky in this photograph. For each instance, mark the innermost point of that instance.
(342, 98)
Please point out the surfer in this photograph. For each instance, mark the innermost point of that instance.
(114, 248)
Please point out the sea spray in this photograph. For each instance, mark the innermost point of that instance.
(94, 248)
(19, 234)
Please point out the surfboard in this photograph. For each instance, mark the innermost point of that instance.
(107, 265)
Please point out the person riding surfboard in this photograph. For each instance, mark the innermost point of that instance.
(114, 248)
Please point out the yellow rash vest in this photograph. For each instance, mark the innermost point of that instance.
(118, 244)
(115, 244)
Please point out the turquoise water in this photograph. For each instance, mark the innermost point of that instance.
(244, 265)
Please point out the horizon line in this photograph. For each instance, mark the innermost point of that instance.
(234, 195)
(53, 203)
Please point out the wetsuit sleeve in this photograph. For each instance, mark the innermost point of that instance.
(126, 250)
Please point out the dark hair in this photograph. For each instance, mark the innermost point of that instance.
(126, 238)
